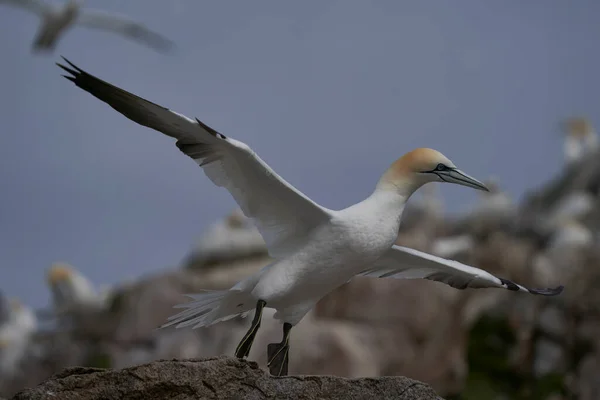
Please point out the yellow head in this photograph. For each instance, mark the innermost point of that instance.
(578, 127)
(59, 272)
(421, 166)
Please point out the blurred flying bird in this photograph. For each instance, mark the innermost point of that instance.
(15, 335)
(315, 249)
(57, 20)
(581, 139)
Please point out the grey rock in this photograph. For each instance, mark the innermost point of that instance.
(216, 378)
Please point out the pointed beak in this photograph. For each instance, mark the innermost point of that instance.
(460, 178)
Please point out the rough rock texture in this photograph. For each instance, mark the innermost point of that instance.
(216, 378)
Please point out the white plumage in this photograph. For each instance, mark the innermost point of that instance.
(15, 337)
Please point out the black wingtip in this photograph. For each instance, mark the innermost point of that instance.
(69, 70)
(548, 291)
(71, 64)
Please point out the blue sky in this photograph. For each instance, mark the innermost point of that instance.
(329, 93)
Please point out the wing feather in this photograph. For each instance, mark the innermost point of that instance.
(283, 215)
(404, 263)
(124, 26)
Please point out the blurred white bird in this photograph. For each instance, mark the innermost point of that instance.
(316, 249)
(581, 139)
(575, 205)
(452, 246)
(494, 206)
(565, 251)
(571, 234)
(71, 291)
(57, 20)
(233, 238)
(15, 335)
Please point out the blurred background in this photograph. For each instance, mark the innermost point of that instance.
(104, 225)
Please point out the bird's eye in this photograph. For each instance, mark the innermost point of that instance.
(440, 167)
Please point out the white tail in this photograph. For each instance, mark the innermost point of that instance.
(210, 307)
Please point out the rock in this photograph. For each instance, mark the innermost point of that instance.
(216, 378)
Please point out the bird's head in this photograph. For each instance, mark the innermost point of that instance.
(421, 166)
(59, 273)
(578, 127)
(60, 278)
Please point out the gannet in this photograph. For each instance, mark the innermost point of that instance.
(575, 205)
(581, 139)
(72, 292)
(57, 20)
(495, 204)
(422, 219)
(452, 246)
(233, 238)
(15, 335)
(315, 249)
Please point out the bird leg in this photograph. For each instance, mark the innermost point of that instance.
(243, 349)
(277, 353)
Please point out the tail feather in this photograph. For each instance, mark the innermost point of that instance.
(210, 307)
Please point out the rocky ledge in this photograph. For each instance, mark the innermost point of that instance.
(215, 378)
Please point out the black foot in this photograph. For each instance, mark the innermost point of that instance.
(278, 358)
(243, 349)
(278, 353)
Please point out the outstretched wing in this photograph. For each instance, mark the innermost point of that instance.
(405, 263)
(124, 26)
(283, 215)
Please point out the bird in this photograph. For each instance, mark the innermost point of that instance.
(72, 293)
(314, 249)
(15, 336)
(56, 20)
(452, 246)
(227, 240)
(494, 204)
(581, 139)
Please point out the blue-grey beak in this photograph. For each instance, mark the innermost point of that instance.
(460, 178)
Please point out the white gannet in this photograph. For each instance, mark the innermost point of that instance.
(234, 238)
(57, 20)
(452, 246)
(494, 205)
(72, 293)
(15, 335)
(581, 139)
(315, 249)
